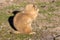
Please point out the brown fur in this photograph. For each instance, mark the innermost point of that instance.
(23, 20)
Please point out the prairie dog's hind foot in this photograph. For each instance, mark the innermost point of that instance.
(15, 32)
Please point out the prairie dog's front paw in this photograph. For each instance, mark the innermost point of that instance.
(32, 33)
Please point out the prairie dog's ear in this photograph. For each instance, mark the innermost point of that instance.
(34, 6)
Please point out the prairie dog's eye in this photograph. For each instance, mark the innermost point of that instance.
(33, 5)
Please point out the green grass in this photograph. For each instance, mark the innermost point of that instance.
(57, 3)
(4, 15)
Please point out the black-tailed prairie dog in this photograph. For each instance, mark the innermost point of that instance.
(22, 21)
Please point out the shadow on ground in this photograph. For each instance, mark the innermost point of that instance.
(10, 19)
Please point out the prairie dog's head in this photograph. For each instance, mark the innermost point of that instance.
(31, 8)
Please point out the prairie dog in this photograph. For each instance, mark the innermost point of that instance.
(22, 21)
